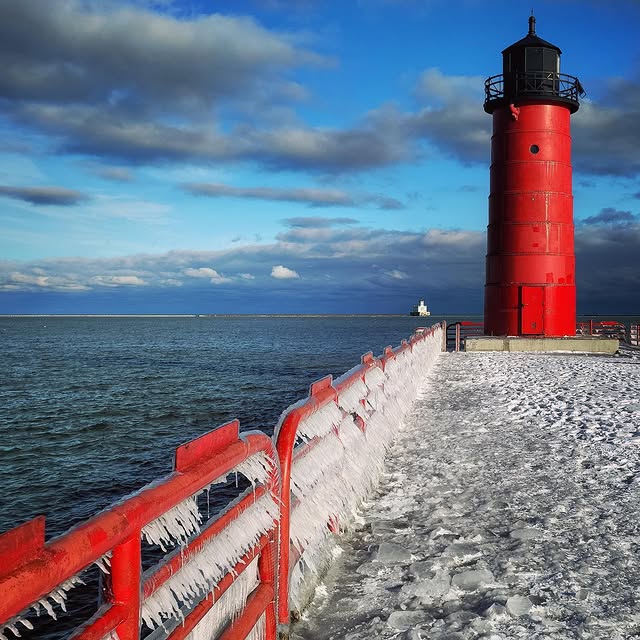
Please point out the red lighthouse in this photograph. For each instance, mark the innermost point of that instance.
(530, 269)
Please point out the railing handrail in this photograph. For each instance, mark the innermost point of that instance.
(516, 84)
(458, 331)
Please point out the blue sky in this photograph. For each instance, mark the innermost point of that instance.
(272, 156)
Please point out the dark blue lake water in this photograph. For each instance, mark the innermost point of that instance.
(93, 408)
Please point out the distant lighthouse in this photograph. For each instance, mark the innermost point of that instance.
(530, 265)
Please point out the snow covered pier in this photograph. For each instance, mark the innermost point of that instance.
(510, 508)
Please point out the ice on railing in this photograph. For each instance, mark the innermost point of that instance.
(349, 399)
(57, 596)
(333, 477)
(181, 522)
(320, 422)
(228, 606)
(176, 525)
(209, 565)
(310, 469)
(374, 377)
(12, 626)
(104, 563)
(259, 631)
(256, 468)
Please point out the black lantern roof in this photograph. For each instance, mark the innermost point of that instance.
(531, 73)
(532, 40)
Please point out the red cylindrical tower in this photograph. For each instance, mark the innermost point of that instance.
(530, 270)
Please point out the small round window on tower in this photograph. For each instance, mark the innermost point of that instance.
(534, 148)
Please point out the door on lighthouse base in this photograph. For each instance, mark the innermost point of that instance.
(531, 310)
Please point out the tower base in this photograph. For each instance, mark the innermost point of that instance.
(574, 344)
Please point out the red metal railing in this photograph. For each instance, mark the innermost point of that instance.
(335, 437)
(32, 569)
(253, 546)
(634, 335)
(605, 328)
(458, 332)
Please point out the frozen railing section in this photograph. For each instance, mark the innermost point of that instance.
(331, 447)
(211, 577)
(240, 573)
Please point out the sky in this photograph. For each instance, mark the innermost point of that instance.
(291, 156)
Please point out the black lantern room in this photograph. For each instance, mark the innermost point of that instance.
(531, 71)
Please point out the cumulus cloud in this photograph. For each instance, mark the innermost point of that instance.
(283, 273)
(58, 196)
(206, 272)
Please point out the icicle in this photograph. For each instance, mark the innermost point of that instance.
(311, 468)
(103, 564)
(12, 627)
(259, 631)
(256, 468)
(174, 526)
(320, 422)
(374, 377)
(349, 399)
(47, 607)
(227, 608)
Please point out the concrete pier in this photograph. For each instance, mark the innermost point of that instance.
(510, 508)
(576, 344)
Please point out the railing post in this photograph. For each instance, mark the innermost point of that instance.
(126, 587)
(268, 572)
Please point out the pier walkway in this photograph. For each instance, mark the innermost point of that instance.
(510, 508)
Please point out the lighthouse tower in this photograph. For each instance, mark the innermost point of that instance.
(530, 269)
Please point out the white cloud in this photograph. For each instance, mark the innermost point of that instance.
(283, 273)
(114, 281)
(206, 272)
(247, 276)
(202, 272)
(397, 274)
